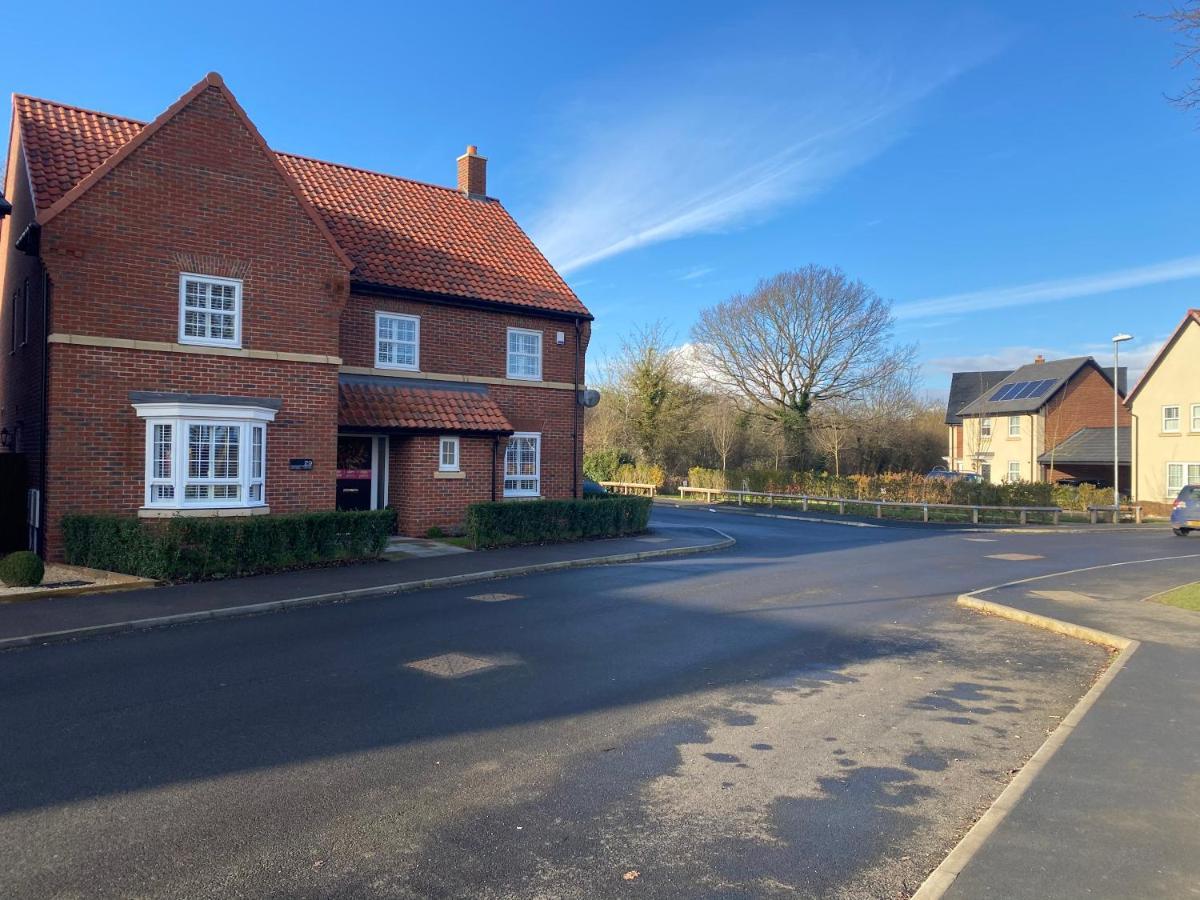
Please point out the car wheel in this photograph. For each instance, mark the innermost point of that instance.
(1181, 532)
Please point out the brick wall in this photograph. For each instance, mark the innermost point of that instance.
(457, 339)
(421, 499)
(1085, 402)
(199, 195)
(96, 460)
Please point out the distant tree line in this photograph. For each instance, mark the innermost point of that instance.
(800, 374)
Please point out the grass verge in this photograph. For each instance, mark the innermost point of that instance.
(1185, 597)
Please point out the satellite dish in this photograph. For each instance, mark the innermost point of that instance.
(589, 398)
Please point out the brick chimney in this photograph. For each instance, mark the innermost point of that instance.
(1038, 360)
(472, 173)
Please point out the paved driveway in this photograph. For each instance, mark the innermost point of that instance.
(806, 714)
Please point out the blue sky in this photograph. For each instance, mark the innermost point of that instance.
(1008, 173)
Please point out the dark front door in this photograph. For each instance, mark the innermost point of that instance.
(354, 472)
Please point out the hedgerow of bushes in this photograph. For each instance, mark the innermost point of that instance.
(904, 487)
(187, 549)
(503, 524)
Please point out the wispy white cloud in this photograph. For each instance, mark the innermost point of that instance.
(712, 143)
(1136, 356)
(698, 272)
(1052, 291)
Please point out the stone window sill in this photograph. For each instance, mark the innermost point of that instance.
(152, 512)
(452, 475)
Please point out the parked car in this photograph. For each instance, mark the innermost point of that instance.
(944, 473)
(1185, 514)
(592, 489)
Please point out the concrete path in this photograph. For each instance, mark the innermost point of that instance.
(1116, 811)
(57, 617)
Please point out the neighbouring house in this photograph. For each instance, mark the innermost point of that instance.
(1165, 407)
(197, 325)
(965, 387)
(1038, 423)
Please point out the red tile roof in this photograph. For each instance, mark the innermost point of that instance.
(416, 408)
(396, 232)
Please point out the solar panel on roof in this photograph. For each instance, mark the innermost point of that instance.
(1041, 387)
(1026, 390)
(1003, 393)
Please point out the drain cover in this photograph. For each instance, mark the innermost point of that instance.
(456, 665)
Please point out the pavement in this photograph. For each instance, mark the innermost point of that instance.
(409, 566)
(1120, 801)
(807, 713)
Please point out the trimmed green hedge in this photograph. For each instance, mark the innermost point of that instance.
(504, 524)
(22, 569)
(186, 549)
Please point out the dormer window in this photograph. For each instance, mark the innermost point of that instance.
(210, 310)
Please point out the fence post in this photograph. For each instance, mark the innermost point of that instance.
(841, 507)
(1056, 517)
(739, 498)
(771, 501)
(925, 513)
(974, 515)
(1024, 517)
(879, 510)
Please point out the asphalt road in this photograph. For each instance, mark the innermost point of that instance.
(806, 714)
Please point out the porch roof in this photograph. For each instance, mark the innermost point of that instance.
(1090, 447)
(419, 409)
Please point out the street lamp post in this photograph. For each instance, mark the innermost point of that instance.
(1117, 340)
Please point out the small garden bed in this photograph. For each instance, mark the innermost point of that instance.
(62, 580)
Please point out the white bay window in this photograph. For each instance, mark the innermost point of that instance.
(523, 465)
(205, 455)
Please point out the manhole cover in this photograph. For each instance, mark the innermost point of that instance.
(456, 665)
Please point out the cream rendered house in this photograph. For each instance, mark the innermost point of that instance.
(1165, 405)
(1050, 420)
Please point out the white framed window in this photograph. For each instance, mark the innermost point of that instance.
(523, 465)
(448, 454)
(1170, 418)
(1179, 474)
(1014, 470)
(524, 354)
(201, 456)
(397, 341)
(1195, 417)
(1014, 426)
(210, 310)
(985, 428)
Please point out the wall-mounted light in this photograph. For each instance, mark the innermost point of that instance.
(6, 438)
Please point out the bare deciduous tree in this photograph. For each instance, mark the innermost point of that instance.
(798, 339)
(721, 426)
(1185, 22)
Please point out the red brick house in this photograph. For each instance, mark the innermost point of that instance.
(194, 324)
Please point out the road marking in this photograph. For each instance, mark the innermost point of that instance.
(458, 665)
(1064, 596)
(652, 540)
(811, 519)
(1014, 557)
(982, 540)
(495, 598)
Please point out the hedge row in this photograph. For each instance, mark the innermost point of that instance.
(186, 549)
(545, 521)
(906, 487)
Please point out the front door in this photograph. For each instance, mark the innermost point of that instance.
(354, 469)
